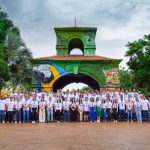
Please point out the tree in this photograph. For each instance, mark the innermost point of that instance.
(4, 70)
(126, 79)
(139, 63)
(17, 56)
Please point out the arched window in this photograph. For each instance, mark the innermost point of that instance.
(75, 47)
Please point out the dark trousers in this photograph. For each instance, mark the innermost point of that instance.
(10, 116)
(74, 115)
(108, 114)
(145, 115)
(122, 115)
(115, 114)
(34, 114)
(2, 115)
(58, 115)
(18, 115)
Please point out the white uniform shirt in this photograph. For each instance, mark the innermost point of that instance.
(34, 104)
(18, 105)
(2, 104)
(26, 104)
(92, 104)
(42, 104)
(137, 104)
(129, 105)
(98, 104)
(103, 105)
(109, 105)
(10, 106)
(58, 106)
(122, 105)
(86, 105)
(66, 105)
(50, 105)
(80, 107)
(145, 104)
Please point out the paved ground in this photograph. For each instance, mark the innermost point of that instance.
(75, 136)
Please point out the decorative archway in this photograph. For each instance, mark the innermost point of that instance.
(75, 43)
(71, 78)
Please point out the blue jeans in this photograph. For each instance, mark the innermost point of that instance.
(122, 115)
(129, 113)
(103, 114)
(18, 115)
(66, 115)
(25, 115)
(138, 114)
(50, 115)
(108, 113)
(92, 114)
(2, 115)
(145, 115)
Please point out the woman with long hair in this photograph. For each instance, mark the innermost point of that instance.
(98, 109)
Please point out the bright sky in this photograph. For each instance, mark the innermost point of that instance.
(117, 21)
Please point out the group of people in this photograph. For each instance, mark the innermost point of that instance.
(74, 106)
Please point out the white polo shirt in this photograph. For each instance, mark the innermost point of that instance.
(86, 105)
(2, 104)
(145, 104)
(58, 106)
(10, 105)
(18, 105)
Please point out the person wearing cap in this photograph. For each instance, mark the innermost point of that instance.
(2, 109)
(18, 106)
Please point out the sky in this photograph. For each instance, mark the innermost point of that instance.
(118, 22)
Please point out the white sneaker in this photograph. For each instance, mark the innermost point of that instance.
(131, 120)
(3, 121)
(116, 121)
(19, 121)
(15, 121)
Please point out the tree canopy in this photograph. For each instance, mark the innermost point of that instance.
(139, 63)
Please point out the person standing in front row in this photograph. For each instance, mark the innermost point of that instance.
(138, 109)
(10, 109)
(42, 106)
(34, 109)
(26, 107)
(80, 109)
(122, 109)
(66, 108)
(86, 110)
(18, 106)
(50, 110)
(115, 110)
(98, 109)
(103, 105)
(92, 110)
(58, 110)
(129, 107)
(2, 109)
(73, 110)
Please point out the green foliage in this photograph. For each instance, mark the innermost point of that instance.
(86, 88)
(4, 70)
(126, 79)
(17, 56)
(139, 63)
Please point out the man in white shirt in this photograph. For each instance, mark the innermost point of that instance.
(2, 109)
(66, 108)
(145, 109)
(10, 109)
(122, 109)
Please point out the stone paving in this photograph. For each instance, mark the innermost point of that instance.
(75, 136)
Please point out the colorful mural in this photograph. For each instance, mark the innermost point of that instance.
(47, 75)
(112, 77)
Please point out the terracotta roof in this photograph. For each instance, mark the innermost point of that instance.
(73, 57)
